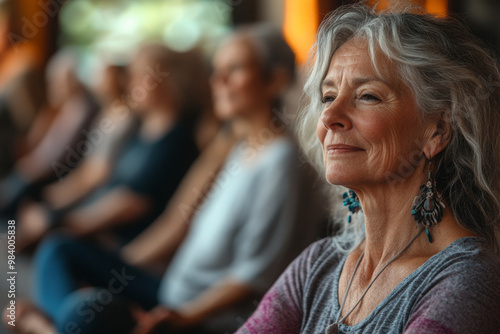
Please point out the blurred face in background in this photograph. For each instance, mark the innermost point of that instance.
(146, 91)
(110, 85)
(61, 84)
(238, 84)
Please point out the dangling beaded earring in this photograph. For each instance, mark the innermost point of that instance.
(351, 200)
(428, 204)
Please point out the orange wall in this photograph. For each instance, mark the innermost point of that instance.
(436, 7)
(301, 20)
(300, 25)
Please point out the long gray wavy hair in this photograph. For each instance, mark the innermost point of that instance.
(452, 77)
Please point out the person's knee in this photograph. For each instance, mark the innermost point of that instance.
(94, 311)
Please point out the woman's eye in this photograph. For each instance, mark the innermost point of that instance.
(235, 67)
(369, 97)
(327, 99)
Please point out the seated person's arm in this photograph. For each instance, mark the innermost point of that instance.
(117, 207)
(74, 187)
(38, 164)
(221, 296)
(225, 294)
(279, 312)
(163, 237)
(40, 126)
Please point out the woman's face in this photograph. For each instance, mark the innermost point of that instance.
(108, 86)
(61, 83)
(237, 82)
(369, 126)
(145, 93)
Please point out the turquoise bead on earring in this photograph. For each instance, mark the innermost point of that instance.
(428, 235)
(351, 200)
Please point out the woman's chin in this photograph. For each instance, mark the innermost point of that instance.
(226, 112)
(342, 176)
(338, 180)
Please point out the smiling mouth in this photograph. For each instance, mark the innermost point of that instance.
(342, 149)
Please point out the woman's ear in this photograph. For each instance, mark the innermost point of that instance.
(440, 137)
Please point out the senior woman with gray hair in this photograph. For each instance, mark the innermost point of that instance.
(406, 108)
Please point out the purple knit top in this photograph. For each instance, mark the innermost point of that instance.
(455, 291)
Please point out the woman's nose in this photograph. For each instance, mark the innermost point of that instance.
(336, 115)
(218, 77)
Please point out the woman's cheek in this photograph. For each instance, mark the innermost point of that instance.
(321, 132)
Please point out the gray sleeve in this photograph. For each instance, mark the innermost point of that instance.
(460, 301)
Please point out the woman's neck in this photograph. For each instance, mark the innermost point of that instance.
(389, 225)
(260, 128)
(156, 123)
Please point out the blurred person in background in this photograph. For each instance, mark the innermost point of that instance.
(151, 163)
(109, 132)
(258, 215)
(56, 137)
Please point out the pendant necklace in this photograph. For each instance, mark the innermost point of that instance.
(333, 328)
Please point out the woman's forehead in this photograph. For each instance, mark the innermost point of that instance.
(355, 59)
(237, 46)
(351, 56)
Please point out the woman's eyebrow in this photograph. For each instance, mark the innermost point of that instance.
(328, 82)
(363, 80)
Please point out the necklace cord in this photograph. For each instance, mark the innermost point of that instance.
(338, 322)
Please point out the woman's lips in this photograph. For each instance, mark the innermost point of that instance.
(342, 149)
